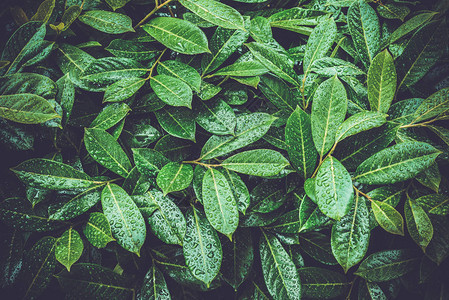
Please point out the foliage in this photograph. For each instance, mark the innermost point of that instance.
(235, 149)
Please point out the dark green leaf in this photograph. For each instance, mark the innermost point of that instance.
(107, 22)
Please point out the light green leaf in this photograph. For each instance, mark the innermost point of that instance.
(69, 248)
(387, 265)
(381, 82)
(216, 13)
(174, 177)
(320, 283)
(106, 151)
(177, 121)
(249, 128)
(437, 204)
(154, 286)
(127, 223)
(360, 122)
(97, 230)
(181, 71)
(107, 22)
(388, 217)
(202, 248)
(333, 187)
(215, 116)
(260, 162)
(418, 222)
(350, 236)
(239, 189)
(219, 203)
(364, 27)
(132, 49)
(167, 222)
(115, 4)
(328, 112)
(110, 115)
(274, 61)
(50, 174)
(26, 108)
(242, 69)
(397, 163)
(279, 271)
(301, 149)
(178, 35)
(123, 89)
(319, 43)
(172, 91)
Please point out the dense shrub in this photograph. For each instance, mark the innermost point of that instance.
(244, 149)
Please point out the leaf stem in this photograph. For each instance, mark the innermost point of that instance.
(362, 193)
(197, 162)
(155, 9)
(155, 64)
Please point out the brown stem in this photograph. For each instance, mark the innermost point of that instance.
(155, 9)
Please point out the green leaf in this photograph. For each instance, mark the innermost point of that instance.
(278, 93)
(310, 216)
(216, 13)
(115, 4)
(279, 271)
(69, 248)
(107, 22)
(249, 128)
(181, 71)
(328, 112)
(267, 197)
(360, 122)
(364, 27)
(136, 183)
(65, 97)
(421, 53)
(154, 286)
(26, 109)
(11, 257)
(410, 25)
(397, 163)
(239, 189)
(132, 49)
(167, 222)
(387, 265)
(173, 148)
(18, 213)
(215, 116)
(97, 230)
(320, 283)
(319, 43)
(24, 46)
(393, 11)
(178, 35)
(432, 106)
(105, 71)
(242, 69)
(38, 267)
(53, 175)
(260, 162)
(381, 82)
(330, 66)
(219, 202)
(274, 61)
(287, 223)
(110, 115)
(90, 280)
(148, 161)
(70, 15)
(238, 256)
(301, 149)
(177, 121)
(318, 246)
(172, 91)
(202, 248)
(388, 217)
(436, 204)
(418, 223)
(223, 43)
(106, 151)
(123, 89)
(127, 223)
(174, 177)
(333, 186)
(350, 236)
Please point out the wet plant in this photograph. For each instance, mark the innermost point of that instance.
(235, 149)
